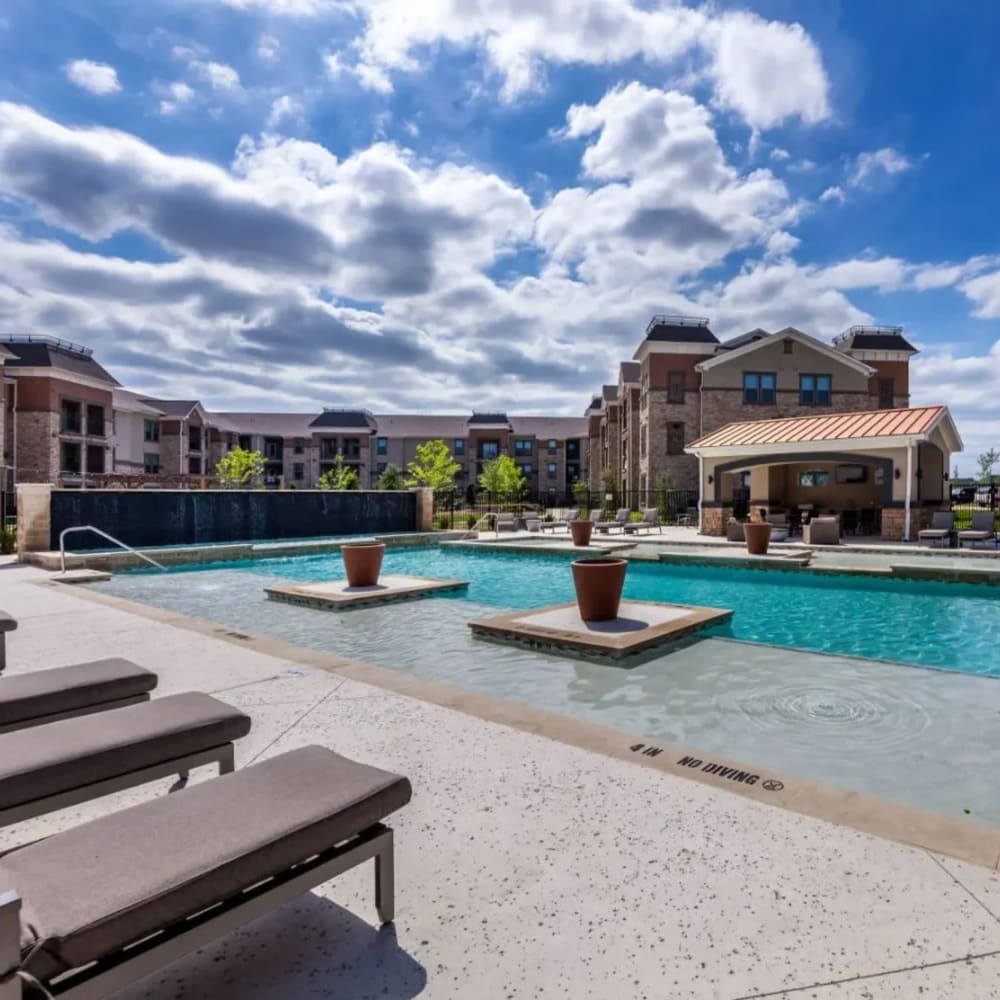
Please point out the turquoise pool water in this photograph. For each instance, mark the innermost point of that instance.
(944, 625)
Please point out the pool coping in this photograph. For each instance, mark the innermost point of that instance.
(965, 840)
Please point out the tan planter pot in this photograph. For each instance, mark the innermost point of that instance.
(598, 584)
(581, 531)
(363, 562)
(757, 535)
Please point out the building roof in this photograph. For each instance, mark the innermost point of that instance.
(917, 421)
(680, 329)
(745, 338)
(874, 338)
(50, 352)
(610, 393)
(789, 333)
(348, 420)
(597, 403)
(283, 425)
(177, 408)
(422, 425)
(488, 420)
(557, 428)
(132, 402)
(630, 371)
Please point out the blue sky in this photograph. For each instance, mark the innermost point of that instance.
(421, 204)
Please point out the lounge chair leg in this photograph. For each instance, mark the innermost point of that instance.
(3, 652)
(10, 945)
(181, 782)
(385, 881)
(227, 762)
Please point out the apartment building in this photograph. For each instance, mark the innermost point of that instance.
(689, 383)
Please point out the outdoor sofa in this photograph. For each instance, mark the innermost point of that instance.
(48, 767)
(780, 527)
(85, 912)
(822, 531)
(942, 526)
(983, 529)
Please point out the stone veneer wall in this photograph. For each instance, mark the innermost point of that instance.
(38, 446)
(656, 465)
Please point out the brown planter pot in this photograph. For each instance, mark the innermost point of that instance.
(757, 535)
(598, 584)
(363, 562)
(581, 531)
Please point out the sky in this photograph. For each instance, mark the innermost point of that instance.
(478, 204)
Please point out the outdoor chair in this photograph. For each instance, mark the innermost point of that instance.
(734, 530)
(822, 531)
(595, 515)
(983, 529)
(650, 520)
(563, 519)
(101, 905)
(621, 519)
(780, 529)
(60, 764)
(505, 521)
(41, 696)
(942, 526)
(689, 518)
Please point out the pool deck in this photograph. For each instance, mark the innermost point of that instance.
(528, 866)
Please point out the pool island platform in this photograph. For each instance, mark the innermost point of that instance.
(337, 595)
(640, 627)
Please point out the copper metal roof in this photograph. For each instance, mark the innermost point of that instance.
(826, 427)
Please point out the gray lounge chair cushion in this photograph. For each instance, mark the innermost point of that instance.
(58, 756)
(96, 888)
(65, 689)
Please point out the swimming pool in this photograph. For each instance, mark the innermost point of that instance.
(945, 625)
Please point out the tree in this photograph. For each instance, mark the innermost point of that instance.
(338, 477)
(986, 462)
(502, 475)
(610, 491)
(391, 478)
(240, 468)
(581, 493)
(433, 467)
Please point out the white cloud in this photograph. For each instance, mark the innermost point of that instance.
(268, 47)
(173, 96)
(282, 108)
(780, 244)
(289, 8)
(881, 162)
(370, 76)
(218, 75)
(886, 274)
(780, 154)
(97, 78)
(834, 193)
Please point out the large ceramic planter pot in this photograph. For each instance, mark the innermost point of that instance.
(363, 562)
(757, 535)
(581, 531)
(599, 585)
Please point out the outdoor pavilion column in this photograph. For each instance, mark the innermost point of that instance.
(909, 490)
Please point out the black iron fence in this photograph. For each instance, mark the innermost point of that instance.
(968, 500)
(457, 509)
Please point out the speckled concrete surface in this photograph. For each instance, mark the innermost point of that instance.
(530, 868)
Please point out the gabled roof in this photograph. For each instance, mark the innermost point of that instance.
(867, 425)
(488, 420)
(680, 329)
(745, 338)
(132, 402)
(50, 352)
(345, 420)
(789, 333)
(179, 409)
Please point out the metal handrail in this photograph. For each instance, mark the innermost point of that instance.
(103, 534)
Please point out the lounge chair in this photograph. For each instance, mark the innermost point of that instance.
(822, 531)
(983, 529)
(621, 519)
(504, 521)
(942, 525)
(595, 515)
(563, 519)
(135, 890)
(779, 527)
(42, 696)
(650, 520)
(63, 763)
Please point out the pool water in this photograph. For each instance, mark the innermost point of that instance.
(945, 625)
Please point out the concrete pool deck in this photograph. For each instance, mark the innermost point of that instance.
(527, 866)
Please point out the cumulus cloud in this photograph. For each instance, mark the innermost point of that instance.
(282, 108)
(218, 75)
(834, 193)
(95, 77)
(369, 75)
(885, 162)
(173, 96)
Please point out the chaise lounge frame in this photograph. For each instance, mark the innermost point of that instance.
(155, 952)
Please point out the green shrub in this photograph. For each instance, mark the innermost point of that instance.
(470, 520)
(8, 541)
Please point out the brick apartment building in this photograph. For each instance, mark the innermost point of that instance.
(684, 383)
(64, 418)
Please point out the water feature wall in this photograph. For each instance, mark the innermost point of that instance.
(145, 518)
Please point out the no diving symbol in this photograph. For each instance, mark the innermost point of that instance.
(772, 785)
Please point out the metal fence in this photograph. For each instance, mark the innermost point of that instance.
(967, 500)
(455, 509)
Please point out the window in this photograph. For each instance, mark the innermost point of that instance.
(814, 390)
(352, 448)
(95, 458)
(553, 470)
(194, 439)
(382, 446)
(194, 466)
(230, 441)
(151, 430)
(675, 439)
(788, 344)
(150, 463)
(95, 420)
(572, 473)
(69, 458)
(273, 449)
(643, 387)
(299, 445)
(675, 387)
(246, 442)
(489, 450)
(758, 387)
(553, 446)
(528, 469)
(298, 471)
(522, 446)
(814, 477)
(459, 448)
(70, 419)
(886, 394)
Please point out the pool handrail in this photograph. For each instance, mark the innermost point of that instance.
(103, 534)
